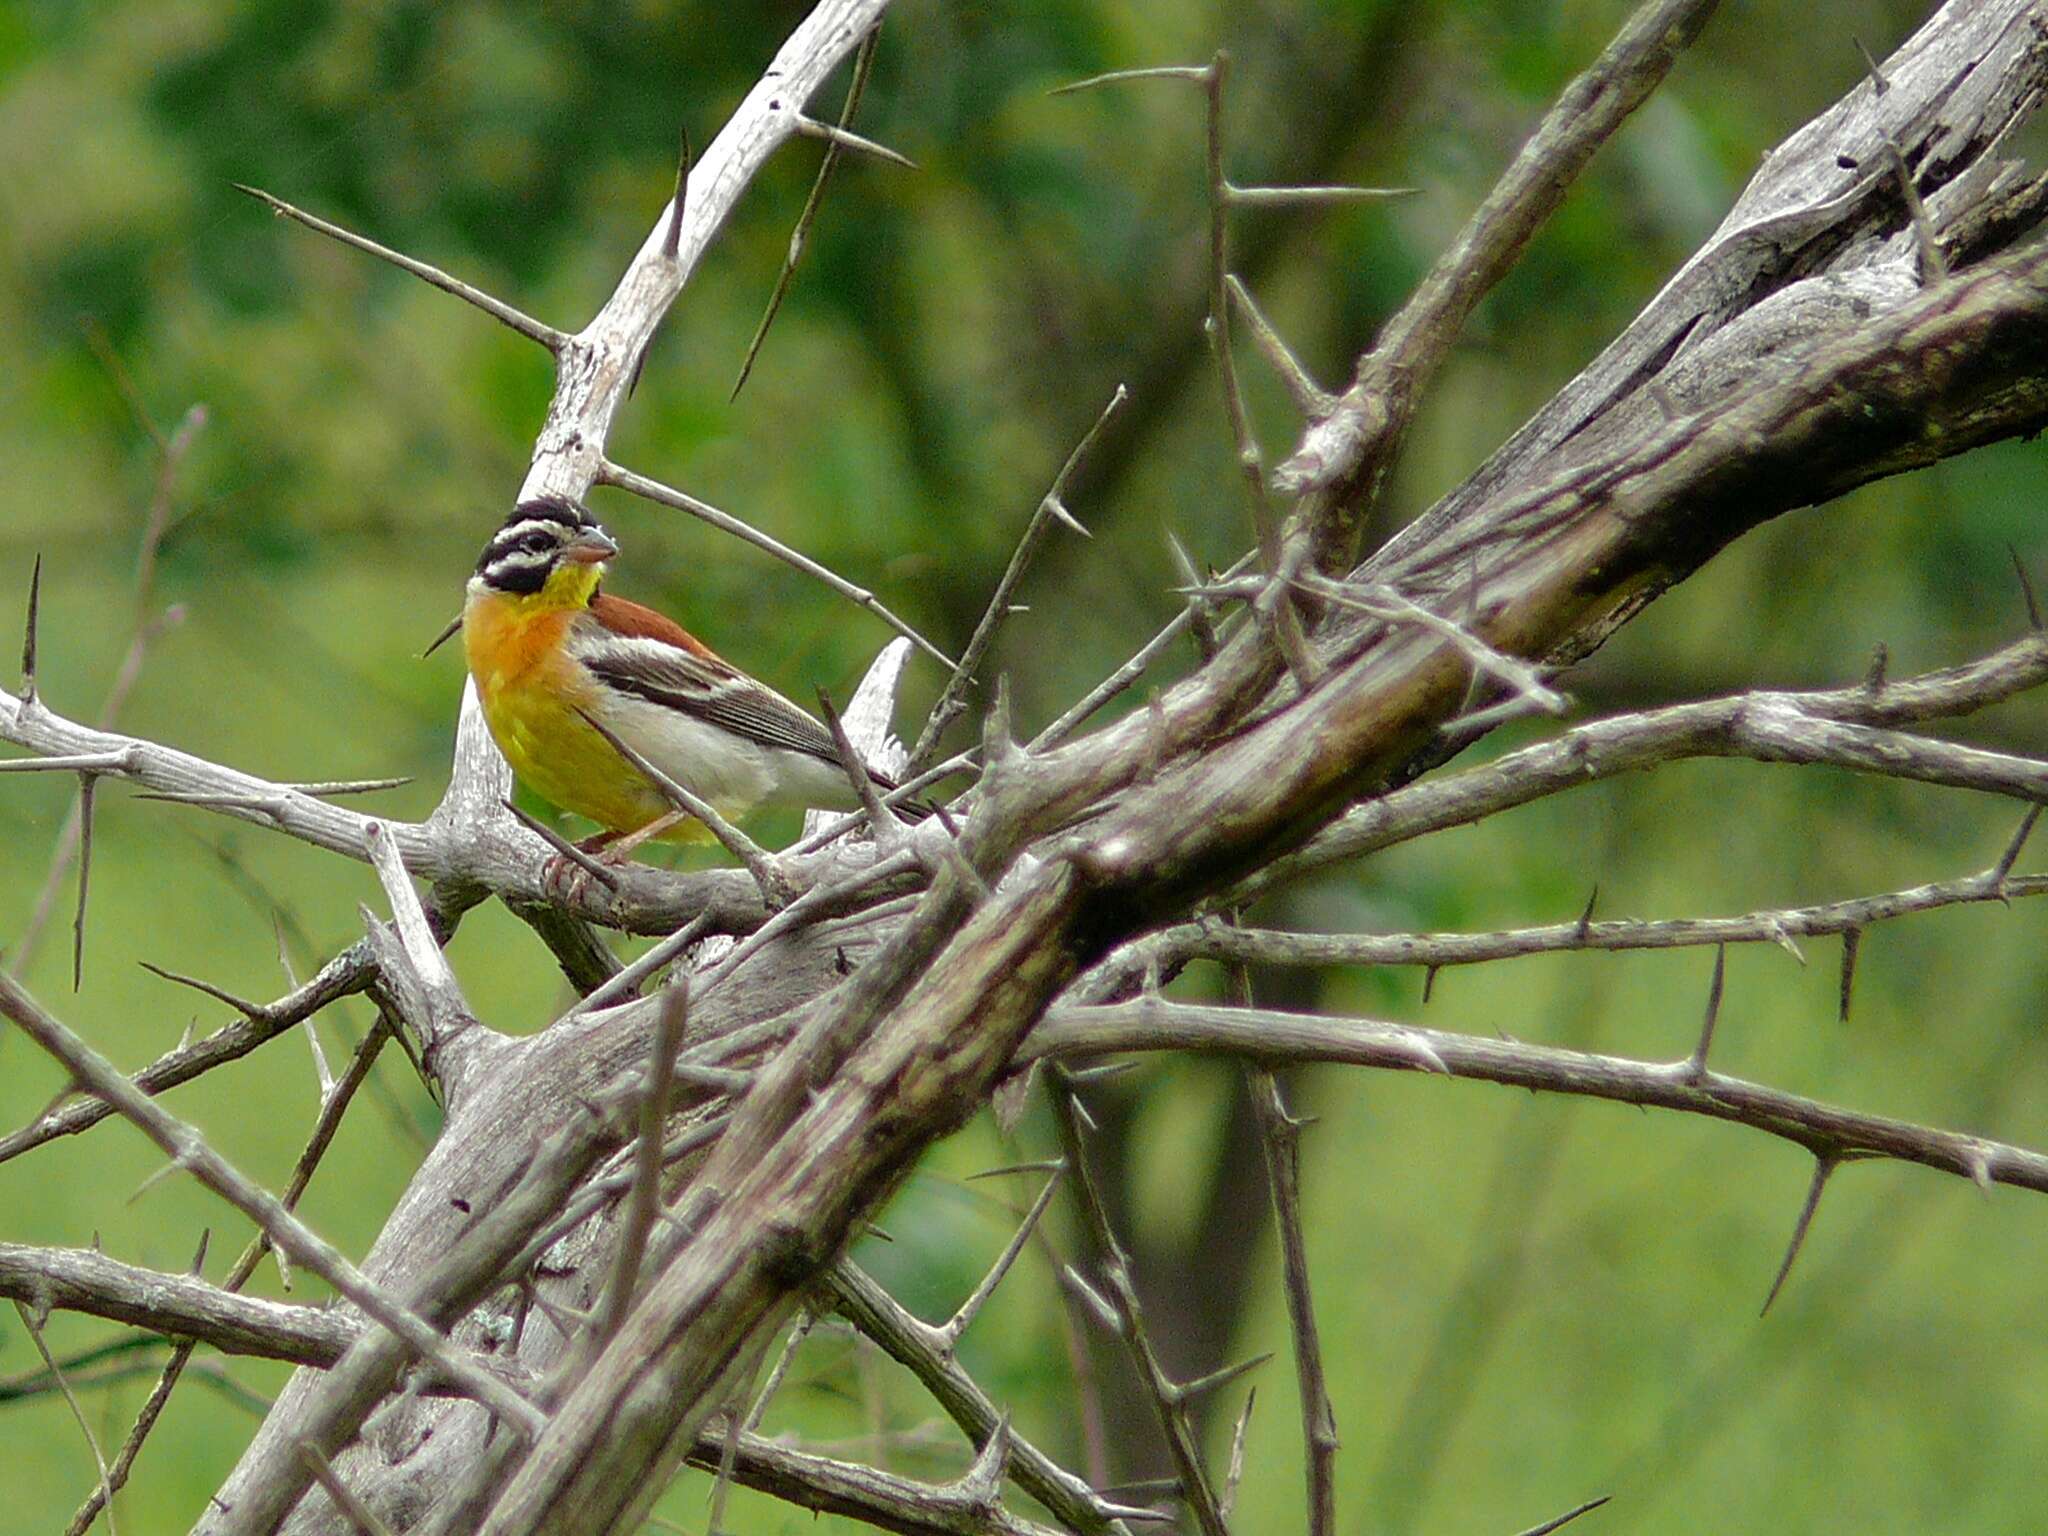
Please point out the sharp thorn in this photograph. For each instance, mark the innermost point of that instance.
(1822, 1168)
(28, 640)
(845, 138)
(239, 1004)
(1043, 1165)
(1852, 943)
(2011, 855)
(1567, 1517)
(1059, 511)
(1978, 1163)
(2026, 588)
(1196, 73)
(672, 241)
(87, 785)
(1696, 1070)
(447, 634)
(1189, 1390)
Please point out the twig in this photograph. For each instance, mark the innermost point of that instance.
(721, 1482)
(1235, 196)
(348, 972)
(908, 790)
(1390, 607)
(35, 1332)
(1374, 412)
(2027, 592)
(1852, 945)
(1565, 1519)
(670, 1019)
(469, 844)
(1071, 1032)
(586, 962)
(1195, 72)
(124, 383)
(881, 1318)
(868, 1494)
(497, 309)
(605, 1187)
(761, 864)
(1848, 727)
(807, 907)
(628, 979)
(108, 1362)
(415, 974)
(1051, 507)
(1280, 1135)
(1275, 610)
(360, 1515)
(888, 829)
(1126, 1319)
(81, 762)
(146, 627)
(798, 1332)
(593, 867)
(188, 1149)
(1122, 678)
(609, 473)
(1210, 940)
(1998, 873)
(948, 1333)
(1309, 397)
(799, 237)
(182, 1309)
(1234, 1468)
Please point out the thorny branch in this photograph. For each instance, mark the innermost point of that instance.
(188, 1150)
(1062, 857)
(334, 1103)
(1280, 1135)
(1210, 939)
(1121, 1313)
(1082, 1033)
(73, 838)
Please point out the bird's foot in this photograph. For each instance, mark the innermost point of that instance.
(578, 883)
(620, 846)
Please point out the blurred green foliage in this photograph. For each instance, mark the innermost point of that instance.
(1527, 1302)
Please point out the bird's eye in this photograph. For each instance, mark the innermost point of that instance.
(536, 543)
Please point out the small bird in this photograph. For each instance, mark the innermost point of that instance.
(551, 654)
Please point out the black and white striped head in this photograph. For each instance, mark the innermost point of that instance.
(541, 537)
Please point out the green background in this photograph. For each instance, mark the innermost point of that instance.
(1526, 1302)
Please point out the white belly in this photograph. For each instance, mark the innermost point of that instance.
(735, 775)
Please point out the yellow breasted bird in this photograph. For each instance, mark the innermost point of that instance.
(548, 649)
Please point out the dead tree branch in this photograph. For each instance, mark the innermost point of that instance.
(1087, 1033)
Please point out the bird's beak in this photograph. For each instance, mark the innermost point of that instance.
(592, 546)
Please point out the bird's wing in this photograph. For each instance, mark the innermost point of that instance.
(638, 652)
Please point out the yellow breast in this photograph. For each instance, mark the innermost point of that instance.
(530, 695)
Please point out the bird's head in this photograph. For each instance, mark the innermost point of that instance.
(550, 551)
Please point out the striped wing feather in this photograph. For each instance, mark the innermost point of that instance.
(638, 651)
